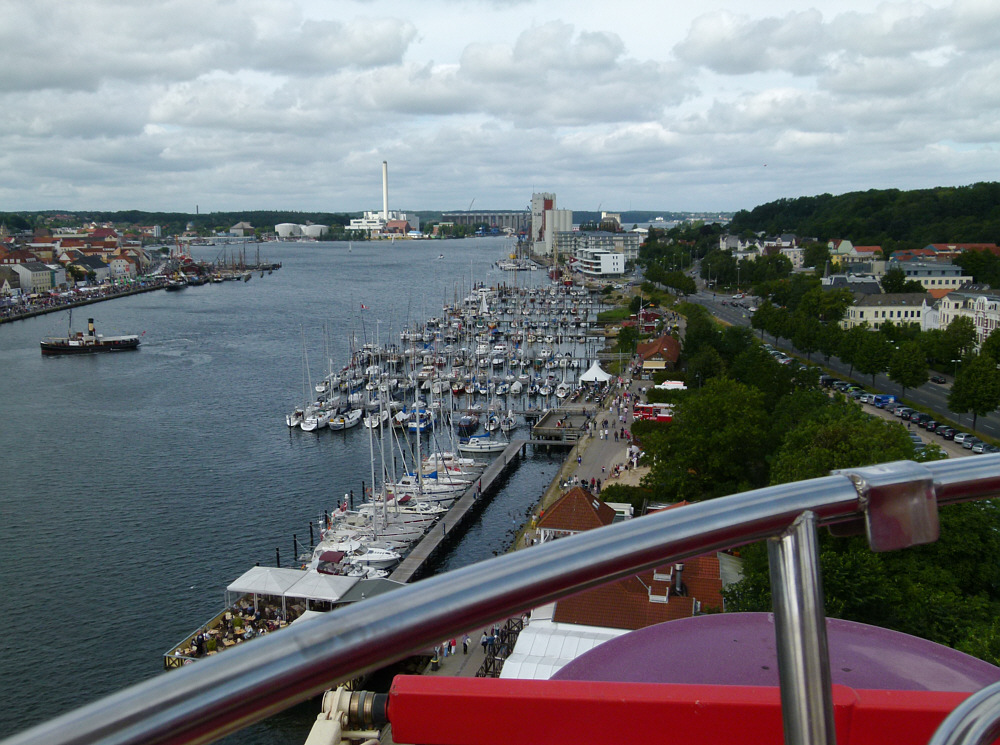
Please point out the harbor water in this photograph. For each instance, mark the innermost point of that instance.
(137, 485)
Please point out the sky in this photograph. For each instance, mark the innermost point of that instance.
(228, 105)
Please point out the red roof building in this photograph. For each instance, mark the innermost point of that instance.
(661, 594)
(659, 354)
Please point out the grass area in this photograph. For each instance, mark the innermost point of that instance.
(614, 315)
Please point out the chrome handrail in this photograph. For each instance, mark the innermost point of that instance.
(202, 702)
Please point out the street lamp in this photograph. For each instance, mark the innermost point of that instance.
(956, 367)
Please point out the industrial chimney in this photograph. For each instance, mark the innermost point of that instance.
(385, 191)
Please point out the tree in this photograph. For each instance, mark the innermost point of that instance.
(806, 333)
(908, 366)
(873, 355)
(627, 338)
(976, 388)
(715, 445)
(991, 347)
(816, 255)
(959, 337)
(850, 345)
(894, 280)
(830, 338)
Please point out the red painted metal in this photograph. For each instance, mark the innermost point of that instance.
(437, 710)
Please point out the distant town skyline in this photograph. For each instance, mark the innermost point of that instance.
(294, 104)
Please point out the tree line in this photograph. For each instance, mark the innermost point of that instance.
(891, 218)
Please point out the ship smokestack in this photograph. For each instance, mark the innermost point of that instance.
(90, 327)
(385, 191)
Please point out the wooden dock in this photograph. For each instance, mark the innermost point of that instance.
(465, 508)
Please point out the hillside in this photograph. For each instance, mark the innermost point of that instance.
(890, 218)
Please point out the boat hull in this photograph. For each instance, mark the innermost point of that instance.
(66, 347)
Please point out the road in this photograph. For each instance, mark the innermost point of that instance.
(932, 397)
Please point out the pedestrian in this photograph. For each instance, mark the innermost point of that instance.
(579, 460)
(453, 646)
(483, 640)
(598, 486)
(445, 646)
(465, 644)
(616, 437)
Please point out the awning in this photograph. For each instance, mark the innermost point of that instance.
(266, 581)
(316, 586)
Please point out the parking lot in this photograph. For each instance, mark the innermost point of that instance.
(867, 401)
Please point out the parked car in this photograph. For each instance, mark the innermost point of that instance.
(991, 449)
(948, 433)
(919, 417)
(937, 379)
(867, 398)
(890, 408)
(969, 442)
(979, 447)
(961, 437)
(904, 412)
(930, 426)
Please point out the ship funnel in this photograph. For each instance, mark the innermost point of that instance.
(90, 327)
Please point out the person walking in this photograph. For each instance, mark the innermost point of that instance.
(483, 641)
(465, 644)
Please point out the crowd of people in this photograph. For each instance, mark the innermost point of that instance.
(241, 623)
(23, 306)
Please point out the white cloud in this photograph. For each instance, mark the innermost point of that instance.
(295, 103)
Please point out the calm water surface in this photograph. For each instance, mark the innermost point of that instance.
(135, 487)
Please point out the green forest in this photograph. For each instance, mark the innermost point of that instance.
(889, 218)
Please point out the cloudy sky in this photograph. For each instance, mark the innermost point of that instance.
(633, 104)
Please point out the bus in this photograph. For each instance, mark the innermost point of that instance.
(654, 412)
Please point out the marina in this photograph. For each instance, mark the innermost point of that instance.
(197, 477)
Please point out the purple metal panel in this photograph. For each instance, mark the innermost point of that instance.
(739, 649)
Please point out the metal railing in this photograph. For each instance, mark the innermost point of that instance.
(202, 702)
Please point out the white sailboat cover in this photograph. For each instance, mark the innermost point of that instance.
(595, 374)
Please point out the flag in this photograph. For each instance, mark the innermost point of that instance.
(364, 307)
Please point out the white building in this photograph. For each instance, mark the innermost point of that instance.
(937, 277)
(977, 302)
(875, 310)
(599, 262)
(581, 244)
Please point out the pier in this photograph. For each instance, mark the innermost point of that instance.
(465, 507)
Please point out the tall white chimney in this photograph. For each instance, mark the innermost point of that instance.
(385, 191)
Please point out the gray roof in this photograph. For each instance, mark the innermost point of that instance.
(913, 299)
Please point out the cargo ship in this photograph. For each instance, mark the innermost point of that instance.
(90, 342)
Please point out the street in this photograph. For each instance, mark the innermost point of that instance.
(931, 396)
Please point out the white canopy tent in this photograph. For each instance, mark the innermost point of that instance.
(316, 586)
(595, 374)
(273, 581)
(290, 583)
